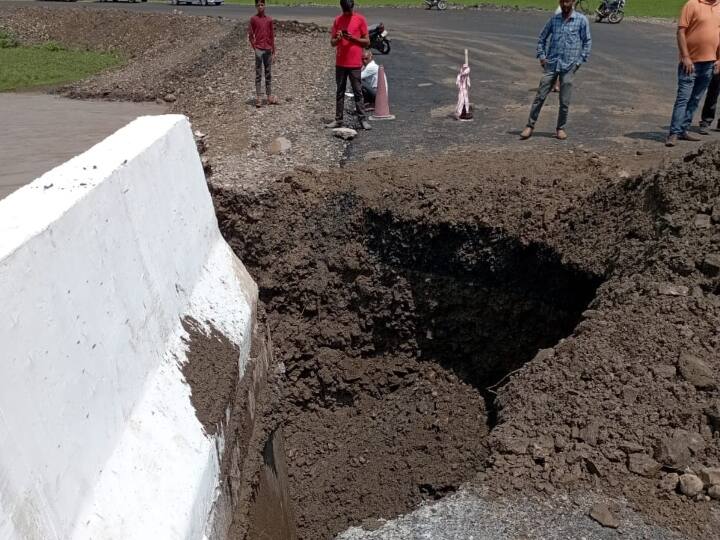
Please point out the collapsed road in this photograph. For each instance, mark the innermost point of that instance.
(541, 327)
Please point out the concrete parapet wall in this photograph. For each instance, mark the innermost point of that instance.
(100, 260)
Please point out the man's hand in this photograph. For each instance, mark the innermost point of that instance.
(543, 62)
(716, 68)
(272, 57)
(688, 66)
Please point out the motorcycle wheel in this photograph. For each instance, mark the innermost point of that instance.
(442, 5)
(383, 47)
(616, 16)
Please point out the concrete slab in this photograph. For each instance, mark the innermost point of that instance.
(40, 131)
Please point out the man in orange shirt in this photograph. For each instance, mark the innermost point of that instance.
(698, 39)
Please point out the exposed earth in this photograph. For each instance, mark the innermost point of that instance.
(538, 323)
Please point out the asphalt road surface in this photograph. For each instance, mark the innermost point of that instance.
(623, 96)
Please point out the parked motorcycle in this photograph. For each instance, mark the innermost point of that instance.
(378, 38)
(612, 10)
(440, 4)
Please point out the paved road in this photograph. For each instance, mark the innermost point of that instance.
(40, 132)
(622, 97)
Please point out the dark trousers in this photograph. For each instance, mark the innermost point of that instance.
(546, 84)
(341, 77)
(263, 57)
(711, 99)
(369, 94)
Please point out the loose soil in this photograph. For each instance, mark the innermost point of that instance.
(405, 295)
(211, 371)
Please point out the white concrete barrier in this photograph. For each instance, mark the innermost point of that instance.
(100, 259)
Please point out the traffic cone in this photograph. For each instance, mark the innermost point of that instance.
(382, 106)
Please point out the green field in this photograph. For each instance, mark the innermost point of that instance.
(638, 8)
(47, 65)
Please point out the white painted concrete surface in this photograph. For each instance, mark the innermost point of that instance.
(100, 259)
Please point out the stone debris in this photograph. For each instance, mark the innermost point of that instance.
(170, 98)
(710, 477)
(673, 452)
(601, 513)
(643, 465)
(669, 289)
(690, 485)
(714, 492)
(279, 146)
(696, 372)
(702, 221)
(346, 134)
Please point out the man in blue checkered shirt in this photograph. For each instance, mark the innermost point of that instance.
(563, 46)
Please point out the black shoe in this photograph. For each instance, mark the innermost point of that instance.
(366, 125)
(704, 129)
(334, 124)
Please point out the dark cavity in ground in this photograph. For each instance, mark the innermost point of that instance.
(391, 335)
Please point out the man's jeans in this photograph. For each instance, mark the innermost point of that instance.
(690, 90)
(546, 84)
(263, 57)
(711, 99)
(341, 77)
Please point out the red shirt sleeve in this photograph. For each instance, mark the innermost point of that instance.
(272, 35)
(251, 32)
(334, 28)
(363, 26)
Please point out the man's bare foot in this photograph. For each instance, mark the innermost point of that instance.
(560, 134)
(258, 102)
(526, 133)
(272, 100)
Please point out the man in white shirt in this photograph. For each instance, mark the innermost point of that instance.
(369, 77)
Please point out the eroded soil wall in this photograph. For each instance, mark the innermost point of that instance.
(389, 333)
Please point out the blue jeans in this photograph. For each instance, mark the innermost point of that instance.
(690, 90)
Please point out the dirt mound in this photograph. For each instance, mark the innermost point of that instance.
(474, 279)
(620, 405)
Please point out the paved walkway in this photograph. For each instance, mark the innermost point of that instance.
(39, 132)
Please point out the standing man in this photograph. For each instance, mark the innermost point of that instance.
(563, 46)
(262, 39)
(698, 38)
(349, 36)
(710, 107)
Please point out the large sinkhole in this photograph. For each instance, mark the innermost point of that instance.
(392, 336)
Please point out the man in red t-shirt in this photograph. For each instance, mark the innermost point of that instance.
(349, 36)
(262, 39)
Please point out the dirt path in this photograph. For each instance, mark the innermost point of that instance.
(40, 132)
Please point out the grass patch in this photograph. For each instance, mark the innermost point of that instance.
(639, 8)
(47, 64)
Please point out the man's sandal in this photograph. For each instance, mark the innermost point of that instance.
(526, 133)
(561, 135)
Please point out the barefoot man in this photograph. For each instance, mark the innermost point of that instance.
(563, 46)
